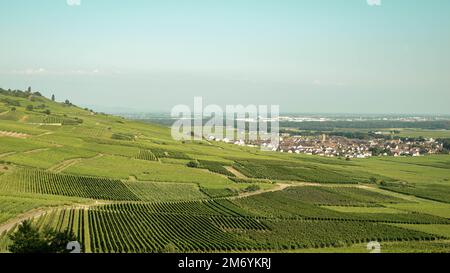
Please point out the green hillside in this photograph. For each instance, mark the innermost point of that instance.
(127, 186)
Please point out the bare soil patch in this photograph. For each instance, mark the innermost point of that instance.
(235, 172)
(14, 134)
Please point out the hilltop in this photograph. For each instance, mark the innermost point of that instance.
(60, 132)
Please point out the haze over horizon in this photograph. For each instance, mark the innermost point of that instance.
(342, 56)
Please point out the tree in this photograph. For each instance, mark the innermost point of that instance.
(47, 112)
(27, 239)
(53, 97)
(67, 102)
(252, 188)
(57, 241)
(446, 143)
(29, 89)
(30, 107)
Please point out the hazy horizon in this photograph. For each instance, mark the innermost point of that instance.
(341, 57)
(118, 110)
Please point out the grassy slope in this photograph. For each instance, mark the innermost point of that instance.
(98, 154)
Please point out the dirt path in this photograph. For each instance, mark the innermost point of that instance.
(7, 154)
(64, 165)
(36, 151)
(36, 213)
(278, 187)
(19, 219)
(58, 168)
(324, 185)
(14, 134)
(25, 152)
(45, 134)
(283, 186)
(235, 172)
(132, 178)
(24, 118)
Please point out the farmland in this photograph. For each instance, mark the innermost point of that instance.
(125, 186)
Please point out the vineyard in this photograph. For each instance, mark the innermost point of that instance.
(295, 234)
(340, 196)
(188, 226)
(160, 153)
(11, 206)
(216, 167)
(439, 193)
(283, 170)
(41, 182)
(127, 186)
(289, 205)
(157, 227)
(215, 193)
(291, 219)
(146, 155)
(208, 226)
(61, 120)
(46, 158)
(158, 191)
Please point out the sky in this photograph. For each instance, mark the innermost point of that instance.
(320, 56)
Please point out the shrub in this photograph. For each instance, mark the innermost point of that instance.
(122, 136)
(252, 188)
(28, 239)
(193, 164)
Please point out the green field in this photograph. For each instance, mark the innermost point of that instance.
(127, 186)
(424, 133)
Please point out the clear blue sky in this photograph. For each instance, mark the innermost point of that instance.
(306, 56)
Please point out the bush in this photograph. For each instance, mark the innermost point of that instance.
(11, 102)
(446, 143)
(41, 106)
(122, 136)
(193, 164)
(30, 107)
(28, 239)
(252, 188)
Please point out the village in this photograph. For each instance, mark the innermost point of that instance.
(338, 146)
